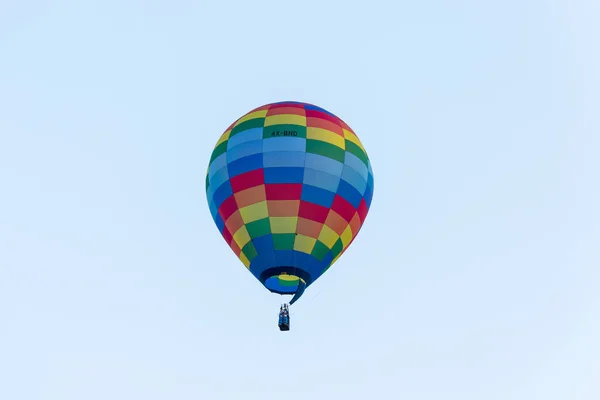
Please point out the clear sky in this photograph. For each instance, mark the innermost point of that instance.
(477, 272)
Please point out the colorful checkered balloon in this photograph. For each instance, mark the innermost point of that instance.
(289, 186)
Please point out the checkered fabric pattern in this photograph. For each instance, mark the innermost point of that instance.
(289, 186)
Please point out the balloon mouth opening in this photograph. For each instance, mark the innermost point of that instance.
(284, 280)
(284, 283)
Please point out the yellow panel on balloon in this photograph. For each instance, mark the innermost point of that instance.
(283, 224)
(326, 136)
(304, 244)
(254, 212)
(285, 119)
(241, 237)
(253, 115)
(328, 236)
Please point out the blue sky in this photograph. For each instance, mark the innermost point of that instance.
(476, 275)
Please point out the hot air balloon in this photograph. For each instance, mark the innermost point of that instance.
(289, 186)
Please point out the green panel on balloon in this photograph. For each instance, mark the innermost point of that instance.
(320, 250)
(220, 149)
(280, 130)
(337, 248)
(283, 241)
(249, 124)
(357, 151)
(250, 251)
(325, 149)
(259, 228)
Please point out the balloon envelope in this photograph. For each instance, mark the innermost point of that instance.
(289, 186)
